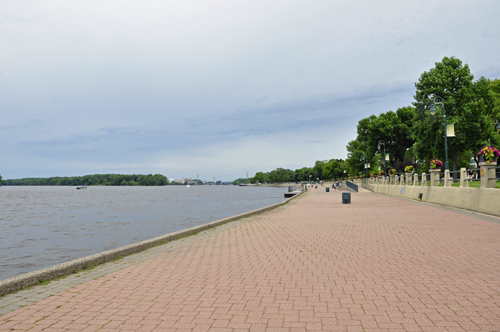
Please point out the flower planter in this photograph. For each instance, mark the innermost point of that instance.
(483, 160)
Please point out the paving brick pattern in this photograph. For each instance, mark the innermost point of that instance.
(378, 264)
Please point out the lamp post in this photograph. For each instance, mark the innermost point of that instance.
(497, 127)
(385, 159)
(364, 162)
(432, 110)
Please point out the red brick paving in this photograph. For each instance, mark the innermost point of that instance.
(378, 264)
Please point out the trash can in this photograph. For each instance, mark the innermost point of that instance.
(346, 198)
(327, 189)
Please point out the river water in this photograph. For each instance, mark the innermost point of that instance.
(45, 226)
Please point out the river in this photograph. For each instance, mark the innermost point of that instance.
(45, 226)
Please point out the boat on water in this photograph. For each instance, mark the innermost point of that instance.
(83, 186)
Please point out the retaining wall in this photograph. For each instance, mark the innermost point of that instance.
(485, 200)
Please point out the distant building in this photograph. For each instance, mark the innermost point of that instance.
(185, 181)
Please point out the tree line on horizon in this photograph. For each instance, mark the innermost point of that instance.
(93, 180)
(322, 170)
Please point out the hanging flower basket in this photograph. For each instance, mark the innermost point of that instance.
(435, 164)
(409, 169)
(488, 154)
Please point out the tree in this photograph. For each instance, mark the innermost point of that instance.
(469, 105)
(240, 181)
(259, 178)
(303, 173)
(333, 169)
(394, 129)
(495, 91)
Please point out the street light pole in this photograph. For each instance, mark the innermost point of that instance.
(433, 111)
(385, 161)
(364, 162)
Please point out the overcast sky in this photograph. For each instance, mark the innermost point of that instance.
(217, 88)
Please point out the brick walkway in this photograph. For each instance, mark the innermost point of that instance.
(378, 264)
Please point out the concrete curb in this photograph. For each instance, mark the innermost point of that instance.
(33, 278)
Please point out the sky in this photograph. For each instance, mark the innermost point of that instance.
(216, 88)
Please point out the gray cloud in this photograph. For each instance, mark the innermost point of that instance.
(161, 86)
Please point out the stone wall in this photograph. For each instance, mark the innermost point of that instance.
(485, 200)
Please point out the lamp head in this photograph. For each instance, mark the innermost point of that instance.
(432, 109)
(378, 146)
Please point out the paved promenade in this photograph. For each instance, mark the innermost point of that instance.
(378, 264)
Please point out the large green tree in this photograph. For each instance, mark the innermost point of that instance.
(495, 91)
(394, 130)
(468, 104)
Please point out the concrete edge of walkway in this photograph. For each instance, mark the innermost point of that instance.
(23, 281)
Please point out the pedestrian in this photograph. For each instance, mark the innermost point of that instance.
(334, 187)
(340, 186)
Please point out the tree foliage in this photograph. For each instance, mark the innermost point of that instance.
(239, 181)
(322, 170)
(495, 92)
(96, 179)
(468, 104)
(392, 130)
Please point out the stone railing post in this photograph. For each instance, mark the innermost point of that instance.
(464, 181)
(408, 179)
(424, 180)
(487, 173)
(401, 180)
(415, 179)
(447, 182)
(434, 177)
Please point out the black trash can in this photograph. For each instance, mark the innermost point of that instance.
(346, 198)
(327, 189)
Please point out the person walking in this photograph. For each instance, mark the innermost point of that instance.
(334, 187)
(340, 186)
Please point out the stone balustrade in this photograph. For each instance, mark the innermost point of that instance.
(487, 172)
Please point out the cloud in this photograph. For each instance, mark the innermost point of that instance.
(177, 86)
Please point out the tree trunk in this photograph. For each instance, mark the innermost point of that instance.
(454, 162)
